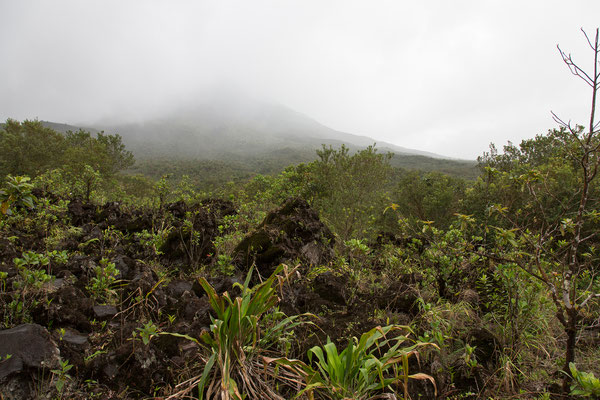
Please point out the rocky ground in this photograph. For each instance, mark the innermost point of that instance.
(59, 326)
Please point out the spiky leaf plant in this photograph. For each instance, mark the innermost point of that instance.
(362, 370)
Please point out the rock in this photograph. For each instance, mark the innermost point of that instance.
(125, 265)
(177, 209)
(18, 387)
(219, 207)
(72, 337)
(412, 278)
(291, 232)
(331, 287)
(103, 312)
(29, 346)
(176, 288)
(110, 213)
(486, 345)
(179, 248)
(70, 307)
(194, 308)
(220, 284)
(144, 279)
(81, 213)
(8, 251)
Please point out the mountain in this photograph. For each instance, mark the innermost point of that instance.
(235, 126)
(239, 136)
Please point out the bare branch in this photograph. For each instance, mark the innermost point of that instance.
(566, 125)
(591, 296)
(588, 39)
(588, 237)
(574, 68)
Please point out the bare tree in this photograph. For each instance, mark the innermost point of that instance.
(568, 295)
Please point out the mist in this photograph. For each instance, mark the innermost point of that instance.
(447, 78)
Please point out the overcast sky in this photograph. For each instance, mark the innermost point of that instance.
(442, 76)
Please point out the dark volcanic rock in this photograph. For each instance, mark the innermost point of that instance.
(29, 346)
(219, 207)
(70, 307)
(486, 345)
(105, 311)
(72, 337)
(81, 213)
(176, 288)
(331, 287)
(190, 243)
(294, 231)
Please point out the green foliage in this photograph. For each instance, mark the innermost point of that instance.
(101, 286)
(348, 189)
(373, 364)
(28, 288)
(30, 148)
(31, 279)
(162, 190)
(60, 257)
(3, 276)
(16, 194)
(154, 240)
(85, 181)
(147, 332)
(429, 197)
(357, 372)
(225, 264)
(61, 375)
(234, 340)
(584, 383)
(501, 264)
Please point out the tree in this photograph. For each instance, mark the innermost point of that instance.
(348, 188)
(559, 249)
(429, 197)
(104, 153)
(587, 154)
(28, 148)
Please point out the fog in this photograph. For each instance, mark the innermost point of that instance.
(439, 76)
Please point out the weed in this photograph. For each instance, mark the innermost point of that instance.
(101, 286)
(61, 376)
(147, 332)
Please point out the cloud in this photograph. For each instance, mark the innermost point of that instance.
(447, 77)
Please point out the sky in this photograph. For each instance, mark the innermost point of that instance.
(449, 77)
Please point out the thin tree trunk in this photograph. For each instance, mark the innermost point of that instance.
(571, 332)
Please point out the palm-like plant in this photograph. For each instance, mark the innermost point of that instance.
(233, 368)
(362, 370)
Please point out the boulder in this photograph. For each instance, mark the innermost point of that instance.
(291, 232)
(190, 243)
(26, 346)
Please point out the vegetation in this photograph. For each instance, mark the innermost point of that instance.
(420, 283)
(362, 369)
